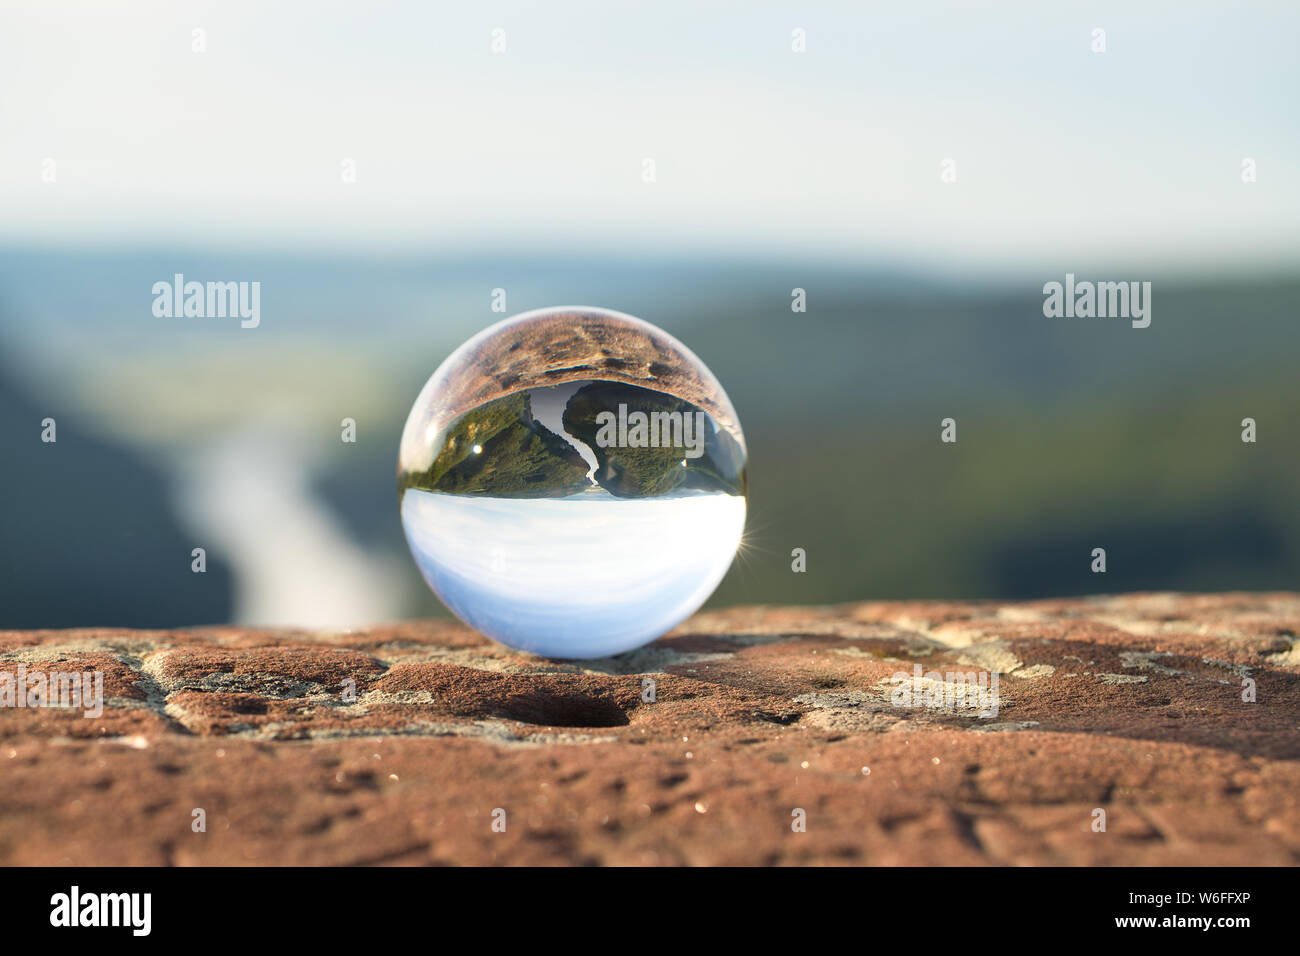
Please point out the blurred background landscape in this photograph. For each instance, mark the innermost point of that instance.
(522, 170)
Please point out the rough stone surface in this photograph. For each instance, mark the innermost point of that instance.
(1132, 705)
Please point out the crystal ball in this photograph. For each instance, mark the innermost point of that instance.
(572, 482)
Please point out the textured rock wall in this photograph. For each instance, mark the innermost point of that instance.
(775, 735)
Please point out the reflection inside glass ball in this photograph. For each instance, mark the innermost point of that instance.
(573, 482)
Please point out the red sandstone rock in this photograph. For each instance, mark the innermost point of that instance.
(1132, 705)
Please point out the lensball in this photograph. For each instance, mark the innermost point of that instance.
(572, 482)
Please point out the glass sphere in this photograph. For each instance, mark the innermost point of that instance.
(572, 482)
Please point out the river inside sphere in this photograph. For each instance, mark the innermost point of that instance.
(573, 483)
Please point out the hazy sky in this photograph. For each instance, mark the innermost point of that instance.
(1134, 152)
(582, 576)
